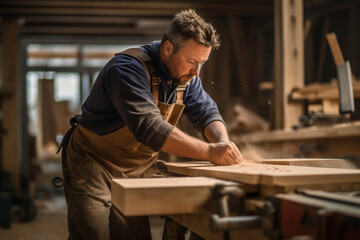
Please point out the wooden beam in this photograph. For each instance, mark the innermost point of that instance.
(131, 8)
(335, 48)
(289, 61)
(241, 54)
(10, 115)
(333, 132)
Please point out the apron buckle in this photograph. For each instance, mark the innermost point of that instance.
(156, 80)
(181, 88)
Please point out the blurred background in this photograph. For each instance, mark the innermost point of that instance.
(273, 74)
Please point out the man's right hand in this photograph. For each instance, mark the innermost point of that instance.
(221, 153)
(224, 153)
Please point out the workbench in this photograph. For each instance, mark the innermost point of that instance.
(196, 195)
(333, 140)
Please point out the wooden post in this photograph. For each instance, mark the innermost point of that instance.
(10, 105)
(241, 54)
(289, 61)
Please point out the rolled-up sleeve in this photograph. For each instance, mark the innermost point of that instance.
(128, 89)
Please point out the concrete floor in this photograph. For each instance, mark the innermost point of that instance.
(50, 222)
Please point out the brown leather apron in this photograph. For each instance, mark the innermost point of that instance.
(119, 152)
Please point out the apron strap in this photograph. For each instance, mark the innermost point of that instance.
(154, 79)
(180, 94)
(73, 122)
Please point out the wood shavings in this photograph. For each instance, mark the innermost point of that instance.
(253, 167)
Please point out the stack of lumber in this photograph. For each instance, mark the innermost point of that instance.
(53, 119)
(320, 91)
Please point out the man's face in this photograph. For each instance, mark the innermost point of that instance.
(185, 64)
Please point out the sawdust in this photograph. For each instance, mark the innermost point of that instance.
(253, 166)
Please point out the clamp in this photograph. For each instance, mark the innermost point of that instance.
(223, 221)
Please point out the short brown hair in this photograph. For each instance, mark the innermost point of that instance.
(186, 25)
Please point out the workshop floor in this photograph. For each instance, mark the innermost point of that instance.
(50, 222)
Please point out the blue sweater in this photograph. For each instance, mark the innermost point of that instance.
(121, 96)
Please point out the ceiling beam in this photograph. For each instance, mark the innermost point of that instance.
(132, 8)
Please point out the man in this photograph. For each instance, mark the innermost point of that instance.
(130, 115)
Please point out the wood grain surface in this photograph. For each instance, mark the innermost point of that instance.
(170, 195)
(312, 162)
(266, 174)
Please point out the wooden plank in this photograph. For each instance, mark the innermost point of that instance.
(265, 174)
(46, 137)
(318, 87)
(311, 162)
(341, 130)
(330, 106)
(335, 48)
(156, 196)
(322, 91)
(62, 116)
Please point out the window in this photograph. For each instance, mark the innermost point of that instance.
(72, 68)
(52, 55)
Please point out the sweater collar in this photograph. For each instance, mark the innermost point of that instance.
(159, 65)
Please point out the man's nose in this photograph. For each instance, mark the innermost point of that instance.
(196, 69)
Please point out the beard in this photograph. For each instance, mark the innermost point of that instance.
(182, 80)
(175, 76)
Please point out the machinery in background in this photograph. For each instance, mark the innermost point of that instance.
(311, 214)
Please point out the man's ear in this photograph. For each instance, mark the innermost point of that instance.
(168, 47)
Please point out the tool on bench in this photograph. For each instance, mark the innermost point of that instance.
(346, 93)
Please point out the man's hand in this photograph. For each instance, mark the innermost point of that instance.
(224, 153)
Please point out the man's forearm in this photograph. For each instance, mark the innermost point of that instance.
(216, 132)
(183, 145)
(220, 152)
